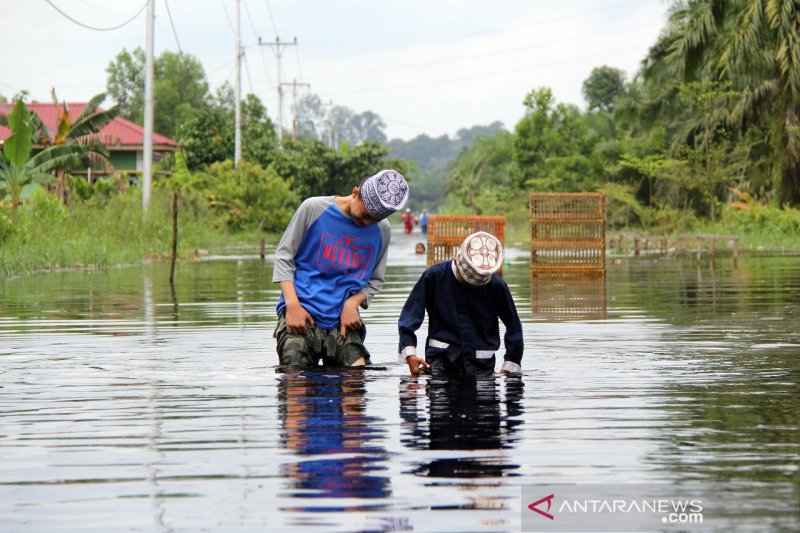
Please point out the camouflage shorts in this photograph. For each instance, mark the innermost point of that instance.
(306, 351)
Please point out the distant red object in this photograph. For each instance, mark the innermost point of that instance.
(408, 221)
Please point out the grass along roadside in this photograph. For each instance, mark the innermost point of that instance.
(44, 235)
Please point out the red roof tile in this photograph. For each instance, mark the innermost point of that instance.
(121, 130)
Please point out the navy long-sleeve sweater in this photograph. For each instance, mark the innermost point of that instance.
(460, 315)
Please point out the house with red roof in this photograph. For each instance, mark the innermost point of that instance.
(123, 138)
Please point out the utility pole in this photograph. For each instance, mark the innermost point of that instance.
(147, 174)
(328, 128)
(277, 48)
(294, 85)
(237, 113)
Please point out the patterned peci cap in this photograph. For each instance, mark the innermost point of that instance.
(384, 193)
(480, 256)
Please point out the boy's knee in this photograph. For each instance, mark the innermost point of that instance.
(350, 350)
(353, 352)
(353, 355)
(294, 354)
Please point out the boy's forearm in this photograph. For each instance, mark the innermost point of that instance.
(289, 294)
(356, 300)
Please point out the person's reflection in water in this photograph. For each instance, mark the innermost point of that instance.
(323, 417)
(465, 414)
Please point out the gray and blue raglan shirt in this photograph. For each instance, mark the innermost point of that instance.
(330, 258)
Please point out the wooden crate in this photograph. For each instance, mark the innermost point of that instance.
(567, 234)
(567, 206)
(447, 232)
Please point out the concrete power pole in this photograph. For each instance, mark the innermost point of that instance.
(237, 152)
(147, 171)
(277, 48)
(294, 85)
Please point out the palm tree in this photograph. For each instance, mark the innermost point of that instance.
(754, 45)
(83, 133)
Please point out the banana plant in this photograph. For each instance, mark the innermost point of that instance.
(18, 167)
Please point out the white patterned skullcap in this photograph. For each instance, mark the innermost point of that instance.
(384, 193)
(480, 256)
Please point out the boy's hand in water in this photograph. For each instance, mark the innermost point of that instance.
(414, 364)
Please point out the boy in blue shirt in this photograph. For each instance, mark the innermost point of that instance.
(464, 298)
(331, 260)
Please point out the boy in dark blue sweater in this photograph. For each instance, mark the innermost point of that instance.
(464, 298)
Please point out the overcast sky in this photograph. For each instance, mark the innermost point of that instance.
(425, 66)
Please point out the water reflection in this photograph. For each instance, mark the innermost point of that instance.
(461, 414)
(126, 403)
(324, 422)
(568, 298)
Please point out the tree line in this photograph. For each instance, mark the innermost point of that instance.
(708, 125)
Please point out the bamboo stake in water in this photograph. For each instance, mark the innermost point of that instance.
(174, 237)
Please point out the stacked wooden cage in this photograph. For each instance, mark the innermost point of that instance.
(568, 235)
(447, 232)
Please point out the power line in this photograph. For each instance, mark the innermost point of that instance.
(95, 28)
(10, 87)
(222, 66)
(404, 123)
(247, 69)
(453, 59)
(271, 18)
(515, 68)
(172, 24)
(258, 38)
(100, 8)
(227, 17)
(297, 58)
(372, 50)
(250, 19)
(266, 70)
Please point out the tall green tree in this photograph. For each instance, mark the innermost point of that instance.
(316, 169)
(207, 136)
(180, 87)
(603, 86)
(754, 45)
(551, 147)
(484, 177)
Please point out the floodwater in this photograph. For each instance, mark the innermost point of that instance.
(127, 406)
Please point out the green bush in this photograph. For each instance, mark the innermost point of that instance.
(45, 207)
(249, 197)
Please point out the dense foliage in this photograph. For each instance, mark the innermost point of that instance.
(706, 135)
(712, 117)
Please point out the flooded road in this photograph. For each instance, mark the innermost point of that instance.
(128, 406)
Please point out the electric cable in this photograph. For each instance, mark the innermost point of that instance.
(95, 28)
